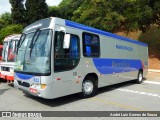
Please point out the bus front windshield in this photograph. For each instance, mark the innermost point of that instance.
(33, 55)
(12, 50)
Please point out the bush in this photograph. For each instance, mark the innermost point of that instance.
(152, 38)
(10, 29)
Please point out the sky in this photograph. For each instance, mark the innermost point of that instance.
(6, 7)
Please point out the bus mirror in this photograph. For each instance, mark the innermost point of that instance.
(66, 42)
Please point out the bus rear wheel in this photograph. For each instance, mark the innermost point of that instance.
(140, 77)
(89, 87)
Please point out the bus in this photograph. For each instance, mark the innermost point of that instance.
(8, 57)
(58, 57)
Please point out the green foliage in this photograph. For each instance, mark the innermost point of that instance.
(137, 13)
(7, 18)
(2, 23)
(18, 11)
(152, 38)
(67, 8)
(54, 11)
(156, 10)
(36, 10)
(92, 13)
(10, 29)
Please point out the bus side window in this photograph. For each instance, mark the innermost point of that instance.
(66, 59)
(91, 45)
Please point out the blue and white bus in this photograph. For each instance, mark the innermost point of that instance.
(57, 57)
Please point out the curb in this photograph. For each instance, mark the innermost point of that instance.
(153, 70)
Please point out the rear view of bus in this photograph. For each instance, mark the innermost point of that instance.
(8, 57)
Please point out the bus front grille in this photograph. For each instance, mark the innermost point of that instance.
(25, 84)
(5, 69)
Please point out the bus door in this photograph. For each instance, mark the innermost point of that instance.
(66, 59)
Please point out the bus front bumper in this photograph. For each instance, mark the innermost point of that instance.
(35, 91)
(8, 77)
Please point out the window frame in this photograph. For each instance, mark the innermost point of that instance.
(20, 44)
(79, 50)
(84, 45)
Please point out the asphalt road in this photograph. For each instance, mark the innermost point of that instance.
(121, 97)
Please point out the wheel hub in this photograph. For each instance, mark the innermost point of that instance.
(88, 87)
(140, 77)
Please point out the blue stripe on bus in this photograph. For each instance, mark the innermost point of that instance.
(24, 76)
(110, 66)
(84, 27)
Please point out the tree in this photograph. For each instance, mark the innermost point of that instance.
(67, 8)
(2, 23)
(18, 11)
(98, 14)
(155, 4)
(7, 18)
(152, 38)
(35, 10)
(54, 11)
(137, 13)
(10, 29)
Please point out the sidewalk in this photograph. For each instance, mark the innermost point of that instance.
(153, 75)
(153, 70)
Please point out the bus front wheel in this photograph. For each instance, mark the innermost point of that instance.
(89, 87)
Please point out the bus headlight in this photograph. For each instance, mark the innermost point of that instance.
(35, 85)
(11, 70)
(38, 86)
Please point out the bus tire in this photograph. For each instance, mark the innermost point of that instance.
(89, 87)
(140, 77)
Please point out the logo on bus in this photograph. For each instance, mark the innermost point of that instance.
(122, 47)
(36, 79)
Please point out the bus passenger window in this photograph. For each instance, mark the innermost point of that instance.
(91, 45)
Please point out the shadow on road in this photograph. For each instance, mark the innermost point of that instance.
(2, 81)
(116, 86)
(2, 91)
(11, 84)
(56, 102)
(75, 97)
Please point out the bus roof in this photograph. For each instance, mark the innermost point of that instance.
(94, 30)
(12, 37)
(45, 23)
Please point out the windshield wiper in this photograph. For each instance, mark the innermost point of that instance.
(19, 45)
(32, 44)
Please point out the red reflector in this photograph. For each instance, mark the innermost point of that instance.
(58, 78)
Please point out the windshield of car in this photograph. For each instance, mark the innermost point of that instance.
(34, 53)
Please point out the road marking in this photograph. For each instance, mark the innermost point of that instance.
(151, 82)
(116, 104)
(141, 93)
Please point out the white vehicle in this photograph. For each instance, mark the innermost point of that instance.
(8, 57)
(57, 57)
